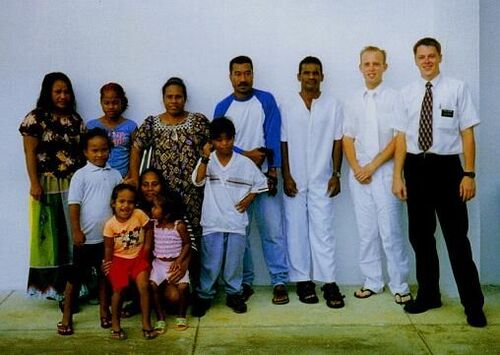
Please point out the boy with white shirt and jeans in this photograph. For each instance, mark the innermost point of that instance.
(232, 181)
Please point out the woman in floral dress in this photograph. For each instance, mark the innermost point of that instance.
(176, 138)
(51, 135)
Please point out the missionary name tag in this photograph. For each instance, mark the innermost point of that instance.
(447, 113)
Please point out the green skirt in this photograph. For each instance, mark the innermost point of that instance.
(51, 244)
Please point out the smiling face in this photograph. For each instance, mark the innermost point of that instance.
(61, 95)
(97, 151)
(427, 59)
(150, 186)
(124, 204)
(111, 105)
(174, 100)
(372, 66)
(241, 77)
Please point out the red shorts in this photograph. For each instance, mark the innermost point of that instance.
(122, 270)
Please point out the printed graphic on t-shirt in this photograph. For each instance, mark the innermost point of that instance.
(129, 239)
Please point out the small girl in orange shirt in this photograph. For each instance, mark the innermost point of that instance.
(127, 244)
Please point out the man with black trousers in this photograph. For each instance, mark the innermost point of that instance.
(438, 127)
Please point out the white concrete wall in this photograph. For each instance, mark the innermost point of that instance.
(141, 43)
(489, 167)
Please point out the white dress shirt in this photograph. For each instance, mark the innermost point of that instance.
(453, 112)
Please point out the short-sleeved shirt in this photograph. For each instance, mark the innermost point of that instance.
(58, 152)
(453, 112)
(91, 188)
(310, 135)
(225, 186)
(121, 136)
(388, 111)
(128, 236)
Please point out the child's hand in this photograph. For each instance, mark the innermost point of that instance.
(242, 206)
(36, 191)
(105, 267)
(207, 149)
(78, 238)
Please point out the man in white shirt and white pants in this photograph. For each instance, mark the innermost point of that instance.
(311, 149)
(439, 126)
(369, 143)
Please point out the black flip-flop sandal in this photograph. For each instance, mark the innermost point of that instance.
(364, 290)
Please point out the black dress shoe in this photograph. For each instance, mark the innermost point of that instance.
(417, 306)
(200, 306)
(246, 292)
(236, 303)
(476, 318)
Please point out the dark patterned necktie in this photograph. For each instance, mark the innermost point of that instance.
(425, 127)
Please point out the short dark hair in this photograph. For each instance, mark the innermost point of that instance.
(311, 60)
(220, 126)
(241, 59)
(95, 132)
(427, 41)
(118, 89)
(175, 81)
(44, 101)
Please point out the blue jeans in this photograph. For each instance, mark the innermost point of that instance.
(221, 254)
(267, 210)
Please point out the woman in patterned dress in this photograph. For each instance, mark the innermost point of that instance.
(176, 138)
(51, 136)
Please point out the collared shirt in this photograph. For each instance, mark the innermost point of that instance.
(452, 112)
(225, 186)
(388, 111)
(91, 188)
(310, 135)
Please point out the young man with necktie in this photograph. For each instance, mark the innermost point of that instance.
(369, 142)
(437, 129)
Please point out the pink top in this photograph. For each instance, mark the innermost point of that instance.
(168, 242)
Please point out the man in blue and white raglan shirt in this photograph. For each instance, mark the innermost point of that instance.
(257, 120)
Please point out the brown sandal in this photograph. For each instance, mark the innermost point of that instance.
(64, 329)
(280, 295)
(105, 322)
(118, 334)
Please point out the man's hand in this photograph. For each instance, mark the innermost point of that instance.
(467, 188)
(289, 186)
(364, 174)
(333, 186)
(256, 155)
(399, 188)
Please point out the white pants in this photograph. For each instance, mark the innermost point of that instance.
(310, 239)
(378, 217)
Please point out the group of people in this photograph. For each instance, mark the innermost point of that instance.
(169, 204)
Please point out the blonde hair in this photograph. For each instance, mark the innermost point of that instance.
(373, 49)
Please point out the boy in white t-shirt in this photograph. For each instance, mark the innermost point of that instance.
(231, 183)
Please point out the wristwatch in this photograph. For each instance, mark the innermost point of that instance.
(336, 174)
(470, 174)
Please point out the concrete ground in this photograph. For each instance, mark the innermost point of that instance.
(372, 326)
